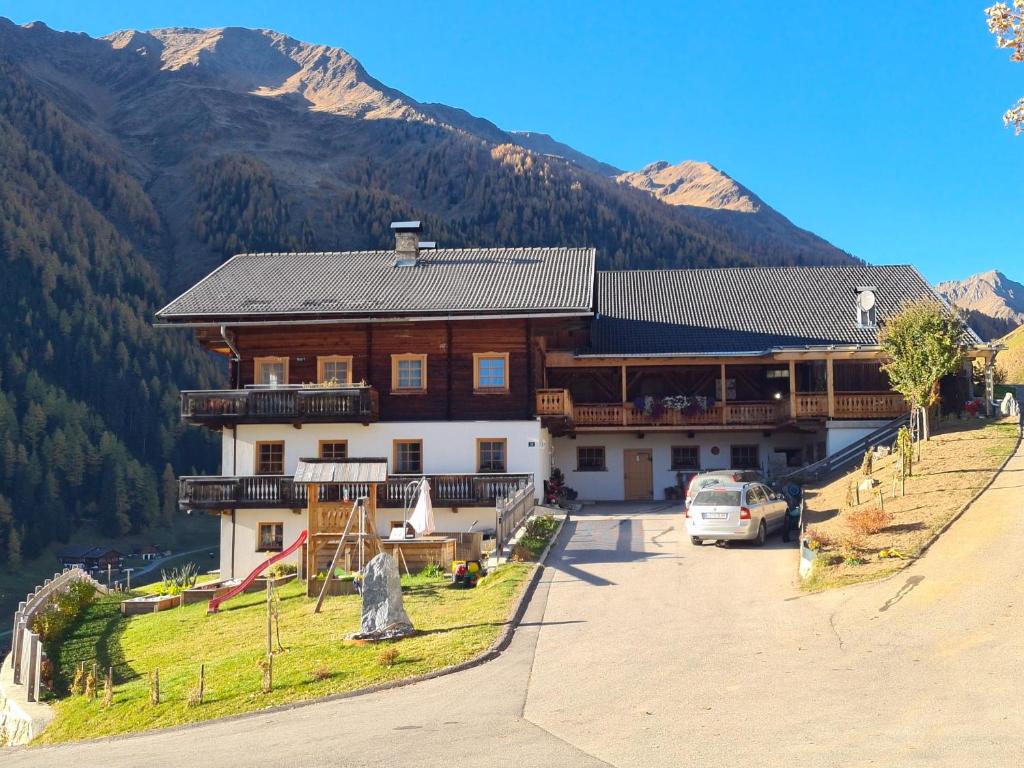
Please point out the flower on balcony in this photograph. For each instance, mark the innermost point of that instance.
(687, 404)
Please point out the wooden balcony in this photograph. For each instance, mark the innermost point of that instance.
(279, 405)
(281, 492)
(557, 404)
(555, 409)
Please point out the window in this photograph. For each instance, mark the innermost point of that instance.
(271, 371)
(745, 457)
(730, 389)
(408, 373)
(270, 537)
(754, 495)
(490, 454)
(590, 459)
(334, 368)
(716, 497)
(685, 457)
(334, 450)
(490, 372)
(408, 457)
(270, 458)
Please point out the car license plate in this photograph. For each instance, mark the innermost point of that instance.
(715, 515)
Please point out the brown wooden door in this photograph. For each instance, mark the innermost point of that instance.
(638, 474)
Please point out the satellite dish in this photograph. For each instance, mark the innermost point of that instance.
(865, 301)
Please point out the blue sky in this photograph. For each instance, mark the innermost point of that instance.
(876, 125)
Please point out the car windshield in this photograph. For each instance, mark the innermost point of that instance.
(717, 497)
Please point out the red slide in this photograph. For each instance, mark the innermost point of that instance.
(248, 580)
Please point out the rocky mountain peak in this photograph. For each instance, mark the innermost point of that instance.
(693, 182)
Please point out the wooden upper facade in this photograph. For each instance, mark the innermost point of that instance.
(413, 371)
(508, 334)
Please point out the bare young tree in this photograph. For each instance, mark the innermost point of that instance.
(1007, 24)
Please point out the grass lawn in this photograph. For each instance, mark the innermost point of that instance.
(453, 626)
(955, 464)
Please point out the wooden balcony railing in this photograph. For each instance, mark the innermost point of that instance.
(554, 402)
(281, 492)
(869, 405)
(279, 405)
(848, 405)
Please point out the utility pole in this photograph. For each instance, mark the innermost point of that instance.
(128, 574)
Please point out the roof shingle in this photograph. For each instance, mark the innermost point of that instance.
(367, 283)
(743, 310)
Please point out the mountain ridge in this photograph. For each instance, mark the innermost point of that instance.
(993, 303)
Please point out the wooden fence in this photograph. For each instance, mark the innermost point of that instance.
(26, 647)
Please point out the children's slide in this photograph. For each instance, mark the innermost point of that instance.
(248, 580)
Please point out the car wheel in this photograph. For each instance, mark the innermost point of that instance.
(696, 541)
(762, 534)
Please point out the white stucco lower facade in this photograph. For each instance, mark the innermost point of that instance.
(448, 448)
(714, 451)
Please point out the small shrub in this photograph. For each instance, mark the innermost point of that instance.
(433, 571)
(387, 657)
(868, 521)
(90, 685)
(108, 690)
(277, 570)
(321, 673)
(852, 494)
(78, 684)
(819, 539)
(867, 466)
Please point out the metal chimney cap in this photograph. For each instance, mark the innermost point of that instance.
(406, 226)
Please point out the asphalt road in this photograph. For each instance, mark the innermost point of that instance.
(639, 649)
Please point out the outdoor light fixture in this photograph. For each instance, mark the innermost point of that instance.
(777, 395)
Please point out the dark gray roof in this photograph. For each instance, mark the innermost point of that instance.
(367, 283)
(743, 310)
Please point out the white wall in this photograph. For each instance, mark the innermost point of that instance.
(609, 485)
(246, 531)
(843, 433)
(448, 446)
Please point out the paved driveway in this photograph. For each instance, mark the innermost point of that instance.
(642, 650)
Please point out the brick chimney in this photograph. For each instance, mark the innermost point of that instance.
(407, 242)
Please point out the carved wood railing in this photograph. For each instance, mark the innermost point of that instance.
(267, 405)
(280, 491)
(811, 404)
(554, 402)
(627, 415)
(763, 412)
(869, 405)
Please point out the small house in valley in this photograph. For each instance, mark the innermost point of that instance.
(89, 557)
(483, 369)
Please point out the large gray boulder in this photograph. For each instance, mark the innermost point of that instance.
(384, 616)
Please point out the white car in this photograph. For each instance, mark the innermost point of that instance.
(735, 511)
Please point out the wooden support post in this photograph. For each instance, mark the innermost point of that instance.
(831, 388)
(792, 389)
(725, 396)
(334, 560)
(624, 389)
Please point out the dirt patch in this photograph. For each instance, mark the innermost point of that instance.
(954, 465)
